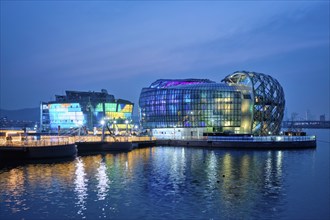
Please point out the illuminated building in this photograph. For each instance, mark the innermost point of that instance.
(88, 109)
(243, 103)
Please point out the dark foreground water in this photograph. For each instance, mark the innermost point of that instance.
(173, 183)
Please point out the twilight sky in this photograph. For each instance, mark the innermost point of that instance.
(49, 47)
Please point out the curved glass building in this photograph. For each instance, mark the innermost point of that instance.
(243, 103)
(268, 97)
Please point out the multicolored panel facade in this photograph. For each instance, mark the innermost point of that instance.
(65, 115)
(214, 106)
(74, 115)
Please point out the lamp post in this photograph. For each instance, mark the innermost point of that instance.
(102, 123)
(126, 122)
(80, 123)
(136, 127)
(115, 127)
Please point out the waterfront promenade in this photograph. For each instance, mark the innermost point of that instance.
(43, 147)
(70, 145)
(31, 141)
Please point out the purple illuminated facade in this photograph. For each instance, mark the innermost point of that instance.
(165, 83)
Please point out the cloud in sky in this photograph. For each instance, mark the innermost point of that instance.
(91, 45)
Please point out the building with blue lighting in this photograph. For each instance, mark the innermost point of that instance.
(242, 103)
(84, 109)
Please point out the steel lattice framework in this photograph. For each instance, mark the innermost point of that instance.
(268, 97)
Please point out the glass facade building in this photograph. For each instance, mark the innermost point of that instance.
(269, 101)
(87, 109)
(191, 107)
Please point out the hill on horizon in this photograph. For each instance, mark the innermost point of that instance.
(25, 114)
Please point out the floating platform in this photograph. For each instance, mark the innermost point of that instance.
(262, 142)
(92, 144)
(38, 152)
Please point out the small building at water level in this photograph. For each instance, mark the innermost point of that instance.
(242, 103)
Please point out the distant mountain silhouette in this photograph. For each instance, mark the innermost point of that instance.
(26, 114)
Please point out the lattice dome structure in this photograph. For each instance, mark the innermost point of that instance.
(268, 97)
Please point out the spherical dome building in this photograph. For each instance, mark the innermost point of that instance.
(268, 97)
(243, 103)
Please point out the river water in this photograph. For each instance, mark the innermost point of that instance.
(173, 183)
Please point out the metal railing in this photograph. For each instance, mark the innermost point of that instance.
(113, 138)
(263, 138)
(33, 142)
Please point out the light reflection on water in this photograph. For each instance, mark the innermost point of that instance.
(80, 184)
(159, 182)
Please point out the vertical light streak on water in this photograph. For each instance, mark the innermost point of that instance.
(212, 170)
(174, 172)
(182, 166)
(126, 166)
(279, 158)
(268, 170)
(183, 157)
(227, 167)
(81, 187)
(103, 181)
(273, 181)
(227, 181)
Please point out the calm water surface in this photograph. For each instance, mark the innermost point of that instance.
(173, 183)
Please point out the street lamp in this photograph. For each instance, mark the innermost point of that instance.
(102, 123)
(80, 123)
(126, 122)
(136, 127)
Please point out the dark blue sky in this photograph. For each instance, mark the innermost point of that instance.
(49, 47)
